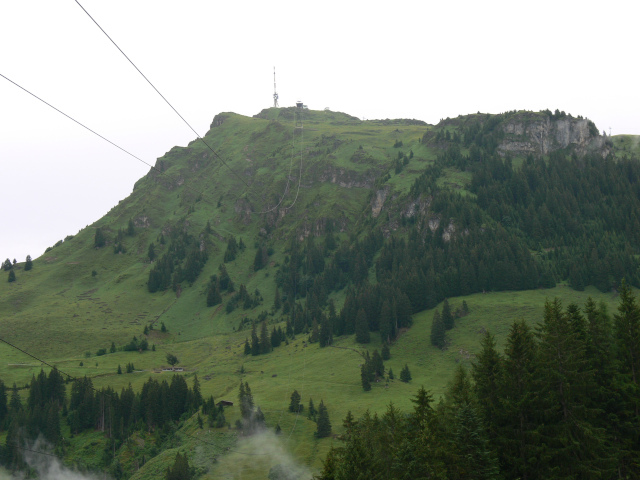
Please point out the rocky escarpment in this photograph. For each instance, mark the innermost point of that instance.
(541, 134)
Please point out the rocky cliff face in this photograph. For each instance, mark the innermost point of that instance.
(541, 134)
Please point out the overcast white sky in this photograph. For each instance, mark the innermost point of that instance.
(416, 59)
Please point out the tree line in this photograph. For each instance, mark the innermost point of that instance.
(561, 401)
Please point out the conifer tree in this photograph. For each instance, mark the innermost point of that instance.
(294, 406)
(518, 438)
(315, 332)
(326, 337)
(437, 331)
(362, 327)
(376, 364)
(564, 387)
(12, 276)
(323, 423)
(277, 303)
(265, 341)
(180, 469)
(405, 374)
(627, 388)
(311, 415)
(386, 353)
(486, 372)
(213, 294)
(4, 408)
(245, 398)
(276, 338)
(474, 456)
(196, 396)
(28, 265)
(364, 377)
(627, 326)
(99, 239)
(447, 316)
(386, 322)
(255, 341)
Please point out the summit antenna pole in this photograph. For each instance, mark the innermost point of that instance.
(275, 93)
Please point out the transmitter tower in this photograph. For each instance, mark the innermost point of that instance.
(275, 92)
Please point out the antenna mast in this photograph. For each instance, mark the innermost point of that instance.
(275, 93)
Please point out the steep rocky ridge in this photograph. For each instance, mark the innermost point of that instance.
(528, 132)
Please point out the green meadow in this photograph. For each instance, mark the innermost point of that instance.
(79, 299)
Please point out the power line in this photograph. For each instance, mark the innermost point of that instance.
(200, 193)
(79, 123)
(162, 96)
(102, 393)
(189, 125)
(301, 151)
(36, 451)
(75, 379)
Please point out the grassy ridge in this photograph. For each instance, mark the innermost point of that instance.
(60, 311)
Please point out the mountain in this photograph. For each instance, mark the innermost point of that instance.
(334, 216)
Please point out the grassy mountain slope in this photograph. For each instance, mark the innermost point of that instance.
(336, 174)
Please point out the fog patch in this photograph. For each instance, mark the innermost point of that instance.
(269, 448)
(49, 467)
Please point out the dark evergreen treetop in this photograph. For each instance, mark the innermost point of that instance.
(323, 423)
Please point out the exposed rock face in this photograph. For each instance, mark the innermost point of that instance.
(243, 210)
(218, 120)
(537, 134)
(378, 201)
(346, 178)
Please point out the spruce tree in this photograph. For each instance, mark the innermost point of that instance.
(386, 322)
(518, 439)
(151, 253)
(311, 415)
(438, 331)
(627, 388)
(447, 316)
(325, 338)
(362, 327)
(294, 406)
(12, 276)
(255, 341)
(565, 386)
(28, 265)
(405, 374)
(315, 332)
(196, 396)
(323, 423)
(213, 294)
(265, 341)
(99, 239)
(277, 303)
(487, 372)
(180, 469)
(474, 456)
(386, 353)
(245, 398)
(4, 408)
(364, 377)
(377, 364)
(275, 338)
